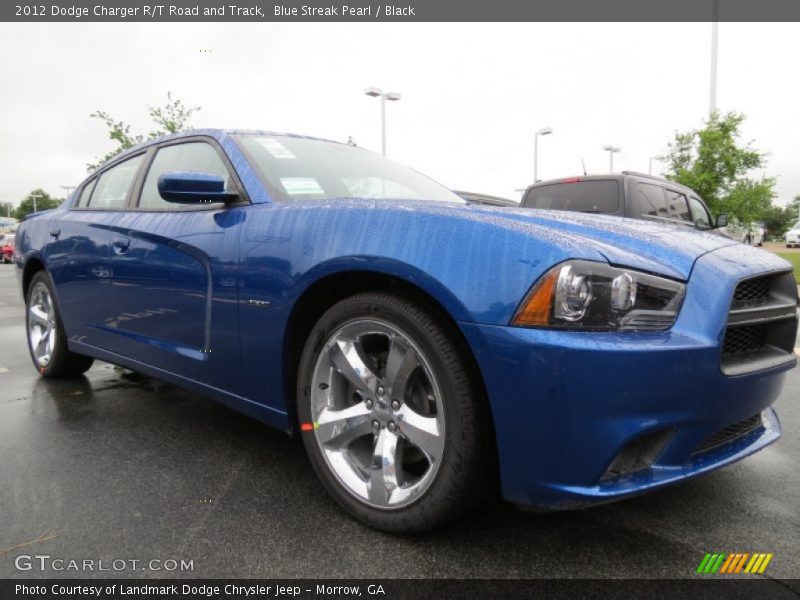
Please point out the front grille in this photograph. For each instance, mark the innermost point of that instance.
(762, 324)
(730, 433)
(752, 292)
(741, 340)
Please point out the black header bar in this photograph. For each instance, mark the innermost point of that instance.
(256, 11)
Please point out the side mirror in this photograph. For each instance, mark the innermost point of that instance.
(722, 220)
(187, 187)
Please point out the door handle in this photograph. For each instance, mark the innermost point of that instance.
(121, 243)
(55, 232)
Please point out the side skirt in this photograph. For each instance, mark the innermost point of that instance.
(260, 412)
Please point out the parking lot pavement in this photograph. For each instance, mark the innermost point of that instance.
(116, 466)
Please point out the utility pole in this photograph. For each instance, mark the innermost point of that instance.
(712, 103)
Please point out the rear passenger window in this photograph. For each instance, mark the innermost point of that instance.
(86, 193)
(581, 196)
(112, 186)
(198, 157)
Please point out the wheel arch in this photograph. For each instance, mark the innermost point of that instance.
(32, 265)
(325, 291)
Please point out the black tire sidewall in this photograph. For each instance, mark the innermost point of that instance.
(438, 503)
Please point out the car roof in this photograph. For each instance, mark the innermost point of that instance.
(611, 176)
(217, 134)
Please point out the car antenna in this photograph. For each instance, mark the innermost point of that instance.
(583, 164)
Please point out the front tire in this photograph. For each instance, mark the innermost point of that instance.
(392, 415)
(47, 341)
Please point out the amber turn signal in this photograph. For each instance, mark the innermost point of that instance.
(538, 304)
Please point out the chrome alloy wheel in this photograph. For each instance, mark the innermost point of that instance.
(378, 413)
(41, 324)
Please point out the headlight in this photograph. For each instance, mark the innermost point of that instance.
(592, 296)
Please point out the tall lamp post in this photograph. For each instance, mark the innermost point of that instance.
(68, 189)
(384, 96)
(658, 157)
(611, 151)
(712, 97)
(34, 196)
(542, 131)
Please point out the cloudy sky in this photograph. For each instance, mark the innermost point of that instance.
(472, 93)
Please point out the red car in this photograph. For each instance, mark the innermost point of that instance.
(7, 248)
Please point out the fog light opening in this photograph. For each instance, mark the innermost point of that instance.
(638, 455)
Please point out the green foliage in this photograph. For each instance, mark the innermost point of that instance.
(170, 118)
(794, 258)
(43, 202)
(7, 209)
(712, 162)
(779, 220)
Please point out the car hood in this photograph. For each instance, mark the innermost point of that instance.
(666, 249)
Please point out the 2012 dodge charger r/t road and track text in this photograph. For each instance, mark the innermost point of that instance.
(419, 345)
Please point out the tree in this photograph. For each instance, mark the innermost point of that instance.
(170, 118)
(43, 202)
(712, 162)
(6, 209)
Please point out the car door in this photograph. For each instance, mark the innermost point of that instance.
(175, 273)
(78, 254)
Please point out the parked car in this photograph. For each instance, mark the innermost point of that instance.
(420, 346)
(7, 247)
(792, 237)
(627, 194)
(758, 233)
(486, 200)
(751, 234)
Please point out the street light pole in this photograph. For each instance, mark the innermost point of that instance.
(384, 96)
(542, 131)
(68, 189)
(611, 151)
(34, 197)
(712, 100)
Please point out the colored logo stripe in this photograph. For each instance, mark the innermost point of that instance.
(734, 563)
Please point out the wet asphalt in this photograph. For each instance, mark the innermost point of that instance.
(117, 466)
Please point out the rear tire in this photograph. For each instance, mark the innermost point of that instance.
(47, 341)
(392, 415)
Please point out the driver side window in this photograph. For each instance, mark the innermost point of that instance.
(197, 157)
(699, 213)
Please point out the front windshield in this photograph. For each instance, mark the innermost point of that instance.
(307, 169)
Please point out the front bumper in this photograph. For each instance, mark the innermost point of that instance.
(567, 404)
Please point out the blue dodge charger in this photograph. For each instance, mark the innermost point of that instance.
(422, 348)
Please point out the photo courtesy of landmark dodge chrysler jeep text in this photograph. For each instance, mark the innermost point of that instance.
(420, 346)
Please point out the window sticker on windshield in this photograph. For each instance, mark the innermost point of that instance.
(298, 186)
(275, 148)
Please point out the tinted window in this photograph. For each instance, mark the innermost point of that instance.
(677, 206)
(582, 196)
(654, 201)
(86, 193)
(112, 186)
(699, 212)
(198, 157)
